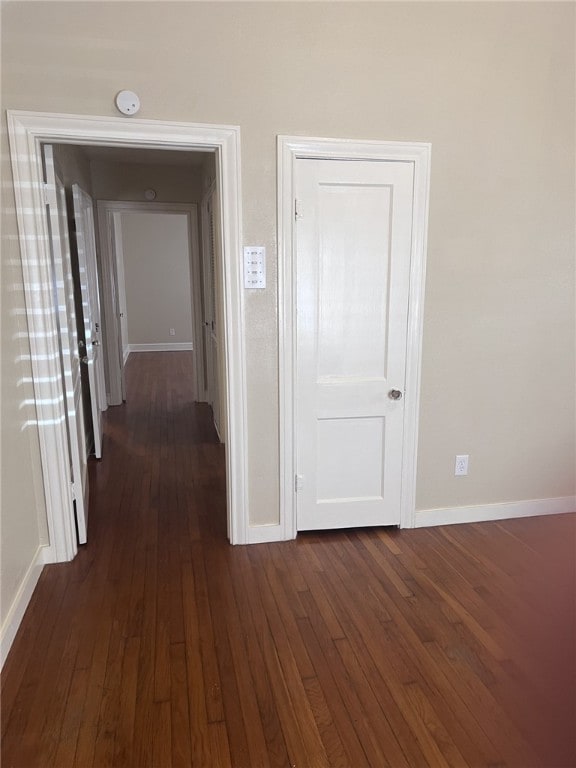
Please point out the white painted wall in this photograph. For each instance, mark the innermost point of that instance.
(156, 257)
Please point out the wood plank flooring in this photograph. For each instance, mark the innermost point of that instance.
(161, 645)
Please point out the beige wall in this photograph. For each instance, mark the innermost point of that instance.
(23, 514)
(157, 277)
(490, 85)
(129, 181)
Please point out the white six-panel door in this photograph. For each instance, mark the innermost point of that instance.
(70, 357)
(86, 247)
(353, 244)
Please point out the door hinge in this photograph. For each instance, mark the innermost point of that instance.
(298, 482)
(49, 194)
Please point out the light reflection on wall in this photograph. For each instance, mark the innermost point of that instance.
(36, 390)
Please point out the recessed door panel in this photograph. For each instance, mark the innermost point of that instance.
(350, 458)
(353, 279)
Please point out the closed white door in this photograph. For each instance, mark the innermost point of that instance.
(86, 247)
(353, 244)
(63, 283)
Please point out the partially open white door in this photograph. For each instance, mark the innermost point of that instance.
(69, 353)
(209, 319)
(353, 246)
(116, 224)
(86, 246)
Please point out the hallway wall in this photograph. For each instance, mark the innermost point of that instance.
(157, 276)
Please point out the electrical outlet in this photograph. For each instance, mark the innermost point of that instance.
(172, 332)
(461, 465)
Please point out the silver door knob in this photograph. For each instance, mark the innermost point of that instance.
(395, 394)
(84, 360)
(95, 343)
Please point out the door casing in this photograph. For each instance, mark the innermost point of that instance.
(27, 132)
(290, 149)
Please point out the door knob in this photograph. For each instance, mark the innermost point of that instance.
(95, 343)
(395, 394)
(84, 360)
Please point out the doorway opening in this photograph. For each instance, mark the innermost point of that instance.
(28, 132)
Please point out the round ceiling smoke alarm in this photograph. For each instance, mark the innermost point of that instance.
(127, 102)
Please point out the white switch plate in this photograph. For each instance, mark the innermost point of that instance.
(254, 266)
(461, 465)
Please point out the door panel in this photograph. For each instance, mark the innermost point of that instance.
(116, 223)
(86, 245)
(70, 357)
(353, 243)
(353, 273)
(209, 323)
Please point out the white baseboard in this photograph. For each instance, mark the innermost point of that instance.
(504, 511)
(20, 603)
(264, 534)
(178, 346)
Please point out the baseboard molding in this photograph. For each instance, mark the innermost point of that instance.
(20, 603)
(264, 534)
(485, 512)
(178, 346)
(126, 354)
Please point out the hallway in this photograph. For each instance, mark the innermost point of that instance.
(161, 645)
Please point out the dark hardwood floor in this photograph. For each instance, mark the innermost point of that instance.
(161, 645)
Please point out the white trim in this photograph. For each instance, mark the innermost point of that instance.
(178, 346)
(27, 131)
(503, 511)
(20, 603)
(289, 150)
(265, 534)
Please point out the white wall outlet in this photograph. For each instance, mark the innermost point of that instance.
(461, 465)
(172, 332)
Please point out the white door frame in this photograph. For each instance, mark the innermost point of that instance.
(27, 132)
(290, 149)
(106, 211)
